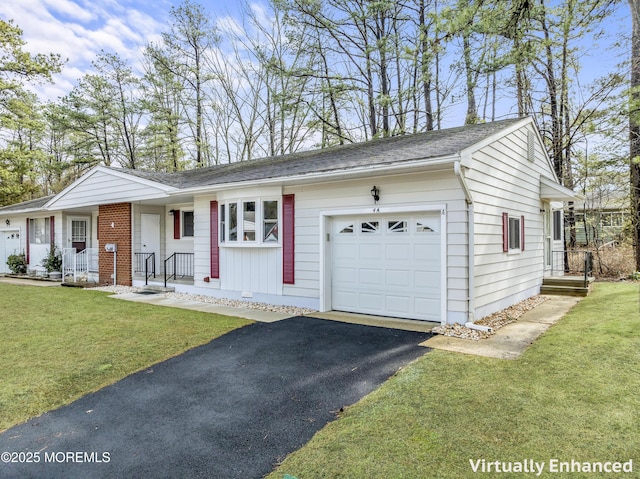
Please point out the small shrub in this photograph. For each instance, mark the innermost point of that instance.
(635, 276)
(613, 262)
(17, 263)
(53, 261)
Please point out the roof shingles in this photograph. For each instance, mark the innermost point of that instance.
(431, 144)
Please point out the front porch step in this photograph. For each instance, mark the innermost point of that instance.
(566, 285)
(564, 290)
(152, 288)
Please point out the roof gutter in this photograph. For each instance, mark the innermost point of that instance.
(319, 176)
(459, 172)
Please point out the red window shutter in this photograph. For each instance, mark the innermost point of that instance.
(288, 239)
(522, 233)
(176, 224)
(28, 250)
(215, 249)
(505, 232)
(52, 230)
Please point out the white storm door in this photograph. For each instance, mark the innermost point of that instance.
(150, 235)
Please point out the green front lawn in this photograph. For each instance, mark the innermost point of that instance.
(573, 395)
(58, 344)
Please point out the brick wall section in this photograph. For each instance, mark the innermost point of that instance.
(114, 226)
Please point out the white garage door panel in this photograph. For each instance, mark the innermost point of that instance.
(387, 266)
(372, 277)
(372, 301)
(370, 251)
(398, 252)
(401, 305)
(398, 278)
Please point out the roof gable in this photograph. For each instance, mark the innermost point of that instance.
(106, 185)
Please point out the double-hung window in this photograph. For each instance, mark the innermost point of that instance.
(250, 221)
(39, 231)
(187, 224)
(557, 225)
(512, 233)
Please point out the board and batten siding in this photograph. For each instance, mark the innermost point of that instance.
(245, 269)
(503, 180)
(398, 191)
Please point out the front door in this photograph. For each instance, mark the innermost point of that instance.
(150, 235)
(79, 231)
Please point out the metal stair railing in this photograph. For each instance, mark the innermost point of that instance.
(574, 262)
(146, 263)
(178, 265)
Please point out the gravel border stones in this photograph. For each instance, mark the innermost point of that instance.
(495, 321)
(201, 298)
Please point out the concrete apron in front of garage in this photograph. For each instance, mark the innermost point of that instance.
(508, 342)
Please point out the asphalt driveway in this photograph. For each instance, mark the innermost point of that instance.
(232, 408)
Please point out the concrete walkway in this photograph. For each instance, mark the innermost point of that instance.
(161, 300)
(29, 282)
(513, 339)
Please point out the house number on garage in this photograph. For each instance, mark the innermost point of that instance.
(376, 210)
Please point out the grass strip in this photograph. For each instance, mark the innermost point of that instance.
(58, 344)
(573, 395)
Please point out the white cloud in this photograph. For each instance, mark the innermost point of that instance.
(79, 30)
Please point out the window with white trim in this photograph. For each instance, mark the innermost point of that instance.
(557, 225)
(250, 221)
(187, 224)
(270, 221)
(514, 233)
(39, 231)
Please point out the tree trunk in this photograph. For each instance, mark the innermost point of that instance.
(472, 115)
(634, 128)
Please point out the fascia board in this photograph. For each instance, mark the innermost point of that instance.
(109, 171)
(467, 153)
(359, 172)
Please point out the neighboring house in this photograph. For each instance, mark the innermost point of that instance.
(448, 225)
(600, 219)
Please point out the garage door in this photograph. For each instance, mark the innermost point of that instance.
(387, 266)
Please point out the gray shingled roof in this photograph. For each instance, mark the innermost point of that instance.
(431, 144)
(27, 205)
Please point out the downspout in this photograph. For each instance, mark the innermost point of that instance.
(457, 168)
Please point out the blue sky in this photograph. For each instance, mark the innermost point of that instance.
(79, 29)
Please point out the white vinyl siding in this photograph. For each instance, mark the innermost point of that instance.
(101, 187)
(201, 243)
(399, 191)
(502, 179)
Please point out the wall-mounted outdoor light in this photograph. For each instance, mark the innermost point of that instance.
(375, 192)
(171, 212)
